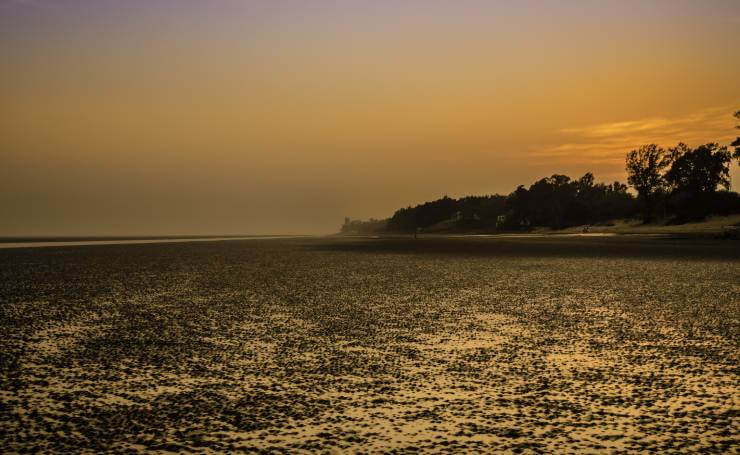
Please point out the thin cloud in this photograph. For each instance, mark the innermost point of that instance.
(609, 129)
(709, 118)
(607, 143)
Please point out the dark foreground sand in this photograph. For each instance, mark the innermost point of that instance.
(342, 345)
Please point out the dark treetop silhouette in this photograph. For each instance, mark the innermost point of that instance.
(679, 184)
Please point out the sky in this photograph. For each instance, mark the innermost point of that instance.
(158, 117)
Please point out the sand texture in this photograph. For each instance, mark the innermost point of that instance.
(556, 345)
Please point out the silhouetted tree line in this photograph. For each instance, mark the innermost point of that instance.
(559, 202)
(683, 184)
(468, 211)
(555, 201)
(678, 184)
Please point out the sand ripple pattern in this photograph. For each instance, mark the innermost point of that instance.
(306, 345)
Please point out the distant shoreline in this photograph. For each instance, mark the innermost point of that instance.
(94, 238)
(38, 242)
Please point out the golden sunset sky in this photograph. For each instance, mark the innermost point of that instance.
(224, 116)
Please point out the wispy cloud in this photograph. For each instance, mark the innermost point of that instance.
(710, 118)
(606, 144)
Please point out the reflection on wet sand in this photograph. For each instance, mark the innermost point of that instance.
(273, 346)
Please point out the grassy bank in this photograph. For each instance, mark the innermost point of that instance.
(711, 226)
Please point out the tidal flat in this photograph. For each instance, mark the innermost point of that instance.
(524, 345)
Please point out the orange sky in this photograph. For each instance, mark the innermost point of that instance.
(187, 117)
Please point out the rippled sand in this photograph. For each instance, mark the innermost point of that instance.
(522, 345)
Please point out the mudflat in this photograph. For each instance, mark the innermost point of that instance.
(542, 344)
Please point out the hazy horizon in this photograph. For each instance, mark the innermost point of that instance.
(279, 117)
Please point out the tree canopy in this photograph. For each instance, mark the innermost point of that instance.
(700, 170)
(681, 182)
(736, 142)
(644, 172)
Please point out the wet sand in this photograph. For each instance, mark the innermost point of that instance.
(522, 345)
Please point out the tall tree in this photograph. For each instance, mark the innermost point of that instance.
(736, 142)
(694, 178)
(701, 170)
(644, 172)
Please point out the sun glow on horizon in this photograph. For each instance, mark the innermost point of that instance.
(283, 116)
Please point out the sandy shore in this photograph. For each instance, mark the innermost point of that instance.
(560, 345)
